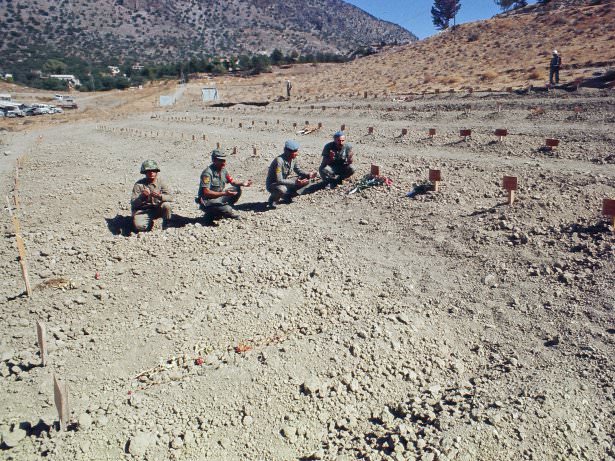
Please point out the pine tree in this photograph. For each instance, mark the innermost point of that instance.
(443, 11)
(506, 5)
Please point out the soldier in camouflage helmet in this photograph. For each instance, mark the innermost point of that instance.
(337, 158)
(213, 196)
(279, 185)
(150, 199)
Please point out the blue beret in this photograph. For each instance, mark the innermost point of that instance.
(291, 145)
(337, 134)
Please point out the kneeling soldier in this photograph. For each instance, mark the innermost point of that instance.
(278, 183)
(213, 198)
(337, 158)
(150, 199)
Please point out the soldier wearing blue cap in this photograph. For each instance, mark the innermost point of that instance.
(214, 198)
(337, 158)
(279, 184)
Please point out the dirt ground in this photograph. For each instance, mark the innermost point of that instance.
(448, 326)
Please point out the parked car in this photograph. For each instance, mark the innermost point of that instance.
(40, 110)
(14, 113)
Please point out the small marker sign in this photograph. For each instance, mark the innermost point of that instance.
(432, 132)
(404, 131)
(343, 127)
(500, 133)
(608, 209)
(370, 130)
(435, 176)
(234, 150)
(240, 125)
(60, 397)
(375, 170)
(509, 183)
(42, 341)
(465, 134)
(551, 143)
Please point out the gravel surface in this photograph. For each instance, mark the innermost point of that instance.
(449, 326)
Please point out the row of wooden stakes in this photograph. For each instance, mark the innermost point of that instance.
(510, 185)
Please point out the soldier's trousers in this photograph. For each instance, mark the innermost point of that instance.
(221, 207)
(280, 191)
(336, 173)
(142, 220)
(554, 72)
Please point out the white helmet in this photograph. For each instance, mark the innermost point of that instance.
(555, 52)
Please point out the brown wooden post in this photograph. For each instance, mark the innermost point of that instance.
(343, 127)
(509, 183)
(465, 134)
(432, 132)
(551, 144)
(404, 131)
(42, 341)
(375, 170)
(435, 176)
(500, 133)
(370, 130)
(608, 209)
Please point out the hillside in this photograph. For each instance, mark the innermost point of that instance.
(169, 30)
(508, 50)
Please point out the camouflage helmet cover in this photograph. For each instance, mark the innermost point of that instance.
(218, 154)
(149, 165)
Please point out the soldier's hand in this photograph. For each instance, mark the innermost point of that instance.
(230, 193)
(312, 174)
(247, 183)
(146, 192)
(301, 182)
(156, 194)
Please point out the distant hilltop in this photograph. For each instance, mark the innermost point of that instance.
(172, 30)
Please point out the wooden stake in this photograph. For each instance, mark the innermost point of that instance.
(435, 176)
(22, 263)
(375, 170)
(60, 397)
(509, 183)
(608, 209)
(42, 341)
(432, 132)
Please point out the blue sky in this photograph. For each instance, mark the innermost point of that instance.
(415, 15)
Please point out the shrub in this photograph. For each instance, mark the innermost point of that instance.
(489, 75)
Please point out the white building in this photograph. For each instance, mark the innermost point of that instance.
(5, 97)
(71, 79)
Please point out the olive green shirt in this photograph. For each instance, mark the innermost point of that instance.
(139, 202)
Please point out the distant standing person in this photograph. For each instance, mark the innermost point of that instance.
(150, 199)
(213, 196)
(289, 86)
(279, 183)
(556, 62)
(337, 158)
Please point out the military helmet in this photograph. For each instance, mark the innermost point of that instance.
(149, 165)
(218, 155)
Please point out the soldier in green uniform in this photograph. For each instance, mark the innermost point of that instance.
(150, 199)
(279, 183)
(337, 158)
(213, 196)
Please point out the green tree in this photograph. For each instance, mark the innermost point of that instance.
(276, 57)
(506, 5)
(54, 66)
(443, 11)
